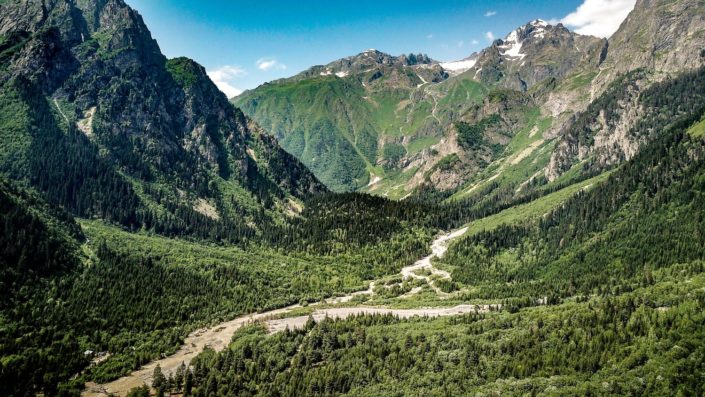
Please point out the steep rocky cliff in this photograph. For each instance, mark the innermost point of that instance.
(658, 41)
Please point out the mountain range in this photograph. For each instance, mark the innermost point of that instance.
(526, 220)
(392, 125)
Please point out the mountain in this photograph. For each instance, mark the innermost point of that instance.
(380, 123)
(507, 118)
(100, 121)
(346, 120)
(641, 53)
(533, 53)
(146, 221)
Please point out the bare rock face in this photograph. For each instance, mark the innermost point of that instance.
(533, 53)
(602, 132)
(662, 36)
(659, 39)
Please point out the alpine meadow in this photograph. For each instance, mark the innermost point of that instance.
(526, 218)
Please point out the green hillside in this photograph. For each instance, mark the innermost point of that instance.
(351, 133)
(603, 295)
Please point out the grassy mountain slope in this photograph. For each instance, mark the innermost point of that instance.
(398, 115)
(360, 119)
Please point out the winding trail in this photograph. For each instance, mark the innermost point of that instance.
(218, 337)
(56, 103)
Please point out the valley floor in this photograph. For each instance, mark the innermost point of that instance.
(219, 336)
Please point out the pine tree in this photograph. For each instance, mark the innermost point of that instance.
(188, 382)
(158, 381)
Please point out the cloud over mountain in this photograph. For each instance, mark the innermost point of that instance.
(599, 18)
(223, 76)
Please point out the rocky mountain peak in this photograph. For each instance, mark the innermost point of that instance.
(532, 53)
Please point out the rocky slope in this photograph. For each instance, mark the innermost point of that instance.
(658, 41)
(533, 53)
(94, 112)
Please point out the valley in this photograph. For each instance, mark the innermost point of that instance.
(525, 220)
(218, 336)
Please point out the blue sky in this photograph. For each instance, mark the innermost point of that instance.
(246, 43)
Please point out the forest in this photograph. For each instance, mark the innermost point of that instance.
(602, 296)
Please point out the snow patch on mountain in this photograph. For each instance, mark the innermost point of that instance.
(512, 46)
(458, 67)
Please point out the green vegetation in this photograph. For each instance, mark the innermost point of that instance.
(533, 209)
(333, 125)
(14, 139)
(419, 144)
(600, 238)
(166, 210)
(579, 80)
(602, 295)
(698, 129)
(645, 342)
(393, 153)
(173, 286)
(320, 121)
(183, 70)
(473, 136)
(444, 164)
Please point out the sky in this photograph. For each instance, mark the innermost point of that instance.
(243, 44)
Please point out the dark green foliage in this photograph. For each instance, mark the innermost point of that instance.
(68, 169)
(37, 239)
(139, 392)
(473, 136)
(392, 153)
(10, 44)
(37, 242)
(648, 214)
(648, 342)
(183, 70)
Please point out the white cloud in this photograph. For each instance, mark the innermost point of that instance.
(223, 76)
(475, 42)
(490, 13)
(429, 36)
(490, 36)
(461, 43)
(268, 64)
(599, 18)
